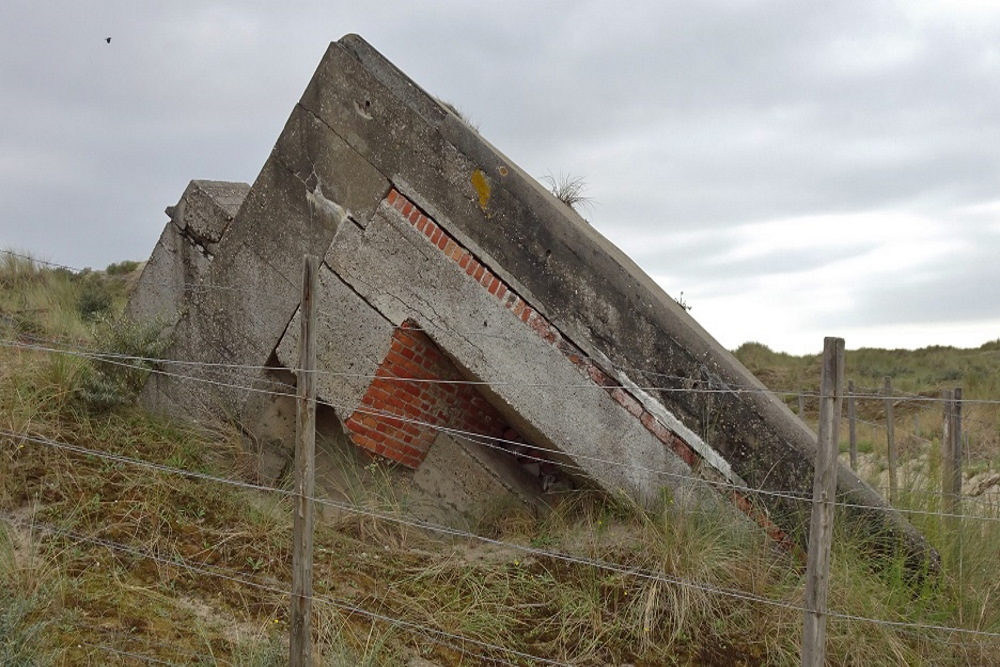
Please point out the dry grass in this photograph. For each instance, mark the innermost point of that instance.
(101, 557)
(569, 190)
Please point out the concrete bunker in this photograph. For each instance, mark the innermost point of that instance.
(473, 329)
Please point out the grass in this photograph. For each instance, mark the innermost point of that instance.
(569, 190)
(918, 379)
(101, 557)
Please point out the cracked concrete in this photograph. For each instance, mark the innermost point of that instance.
(573, 331)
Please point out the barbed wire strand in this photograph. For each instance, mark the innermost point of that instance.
(109, 357)
(873, 394)
(538, 552)
(188, 287)
(730, 388)
(342, 605)
(498, 443)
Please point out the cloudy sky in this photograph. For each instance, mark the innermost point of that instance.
(796, 169)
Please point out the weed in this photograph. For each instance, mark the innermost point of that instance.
(568, 189)
(460, 114)
(22, 605)
(682, 302)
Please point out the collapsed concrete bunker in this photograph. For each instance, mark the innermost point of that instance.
(473, 329)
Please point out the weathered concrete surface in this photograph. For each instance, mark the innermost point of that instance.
(185, 249)
(422, 223)
(528, 380)
(553, 255)
(460, 482)
(206, 209)
(351, 341)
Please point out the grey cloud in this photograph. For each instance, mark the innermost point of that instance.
(757, 125)
(687, 119)
(947, 289)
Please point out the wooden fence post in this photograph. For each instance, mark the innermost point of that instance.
(890, 439)
(824, 495)
(951, 468)
(852, 425)
(802, 406)
(300, 617)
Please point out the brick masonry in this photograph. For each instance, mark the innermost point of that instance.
(416, 392)
(415, 388)
(535, 321)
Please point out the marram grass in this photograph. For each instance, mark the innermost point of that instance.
(101, 558)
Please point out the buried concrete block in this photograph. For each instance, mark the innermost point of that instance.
(461, 481)
(185, 250)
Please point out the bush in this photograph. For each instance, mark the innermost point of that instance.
(95, 299)
(127, 351)
(121, 268)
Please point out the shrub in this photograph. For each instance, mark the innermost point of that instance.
(95, 298)
(121, 268)
(127, 351)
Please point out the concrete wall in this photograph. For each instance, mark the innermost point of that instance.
(443, 261)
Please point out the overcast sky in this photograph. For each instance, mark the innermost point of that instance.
(797, 169)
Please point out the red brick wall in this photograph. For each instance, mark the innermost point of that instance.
(417, 388)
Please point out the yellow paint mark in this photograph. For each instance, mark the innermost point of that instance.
(482, 187)
(502, 170)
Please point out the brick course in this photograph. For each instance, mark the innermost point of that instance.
(542, 327)
(398, 390)
(416, 391)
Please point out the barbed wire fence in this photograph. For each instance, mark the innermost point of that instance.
(198, 372)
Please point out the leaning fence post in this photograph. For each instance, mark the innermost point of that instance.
(300, 617)
(890, 439)
(824, 495)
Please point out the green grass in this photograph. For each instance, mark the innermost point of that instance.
(131, 588)
(918, 378)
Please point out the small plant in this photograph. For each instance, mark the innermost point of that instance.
(568, 189)
(21, 626)
(266, 650)
(461, 115)
(682, 303)
(19, 635)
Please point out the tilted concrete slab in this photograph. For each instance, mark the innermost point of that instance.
(459, 296)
